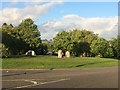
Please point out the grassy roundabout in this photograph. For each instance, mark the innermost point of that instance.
(45, 62)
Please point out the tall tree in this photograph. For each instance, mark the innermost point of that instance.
(101, 47)
(76, 41)
(82, 40)
(115, 44)
(21, 38)
(8, 38)
(29, 33)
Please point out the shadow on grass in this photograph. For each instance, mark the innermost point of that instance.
(81, 65)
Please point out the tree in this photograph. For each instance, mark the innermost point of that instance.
(82, 40)
(101, 47)
(76, 41)
(21, 38)
(8, 38)
(115, 44)
(83, 36)
(81, 48)
(50, 46)
(29, 33)
(62, 41)
(118, 51)
(42, 49)
(3, 51)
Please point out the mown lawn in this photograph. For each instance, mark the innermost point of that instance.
(40, 62)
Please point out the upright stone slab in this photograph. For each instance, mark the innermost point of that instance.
(33, 53)
(67, 54)
(30, 53)
(59, 53)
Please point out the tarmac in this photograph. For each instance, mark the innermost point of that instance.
(105, 77)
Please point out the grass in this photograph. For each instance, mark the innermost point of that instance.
(40, 62)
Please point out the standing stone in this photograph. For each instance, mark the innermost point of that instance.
(30, 53)
(59, 53)
(33, 53)
(67, 54)
(84, 54)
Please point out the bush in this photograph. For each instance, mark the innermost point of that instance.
(4, 51)
(42, 50)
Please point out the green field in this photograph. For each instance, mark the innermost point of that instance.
(40, 62)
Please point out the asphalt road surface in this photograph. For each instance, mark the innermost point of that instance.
(106, 77)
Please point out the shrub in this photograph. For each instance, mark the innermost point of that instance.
(3, 51)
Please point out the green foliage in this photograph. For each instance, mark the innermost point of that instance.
(29, 33)
(76, 41)
(109, 53)
(83, 36)
(26, 36)
(21, 38)
(42, 50)
(115, 44)
(118, 51)
(81, 49)
(102, 48)
(50, 46)
(62, 41)
(3, 51)
(8, 38)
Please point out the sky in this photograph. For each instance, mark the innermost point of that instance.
(52, 17)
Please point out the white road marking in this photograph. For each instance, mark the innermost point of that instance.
(54, 81)
(25, 86)
(7, 71)
(36, 84)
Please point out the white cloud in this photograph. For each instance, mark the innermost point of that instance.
(34, 10)
(104, 26)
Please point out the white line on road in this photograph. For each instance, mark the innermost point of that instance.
(54, 81)
(36, 84)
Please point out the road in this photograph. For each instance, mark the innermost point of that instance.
(106, 77)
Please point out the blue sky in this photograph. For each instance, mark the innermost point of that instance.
(52, 17)
(83, 9)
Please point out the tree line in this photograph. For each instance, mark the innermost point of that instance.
(85, 43)
(16, 40)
